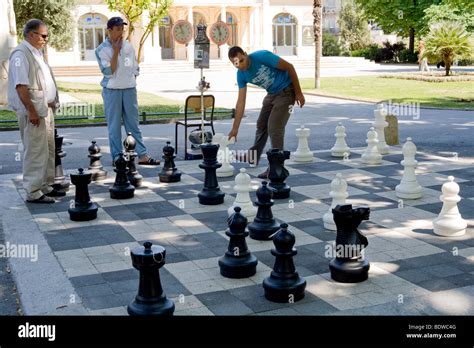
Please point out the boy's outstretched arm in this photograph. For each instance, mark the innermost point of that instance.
(239, 112)
(284, 65)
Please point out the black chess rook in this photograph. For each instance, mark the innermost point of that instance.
(264, 224)
(169, 172)
(278, 173)
(84, 209)
(284, 285)
(95, 165)
(150, 300)
(129, 145)
(237, 262)
(210, 194)
(349, 265)
(122, 189)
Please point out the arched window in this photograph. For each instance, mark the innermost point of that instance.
(91, 33)
(284, 34)
(231, 21)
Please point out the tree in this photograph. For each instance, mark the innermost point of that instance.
(451, 13)
(447, 41)
(55, 14)
(403, 17)
(353, 26)
(331, 45)
(318, 37)
(133, 11)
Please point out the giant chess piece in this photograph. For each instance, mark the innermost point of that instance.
(95, 166)
(379, 124)
(169, 172)
(243, 185)
(122, 189)
(409, 187)
(449, 222)
(302, 153)
(338, 194)
(224, 155)
(340, 148)
(264, 225)
(237, 262)
(278, 173)
(371, 154)
(150, 299)
(349, 266)
(84, 209)
(60, 182)
(284, 284)
(129, 144)
(211, 194)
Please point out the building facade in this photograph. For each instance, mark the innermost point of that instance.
(284, 27)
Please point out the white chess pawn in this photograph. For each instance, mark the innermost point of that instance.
(379, 124)
(371, 154)
(339, 194)
(243, 186)
(302, 153)
(223, 155)
(449, 222)
(340, 148)
(409, 187)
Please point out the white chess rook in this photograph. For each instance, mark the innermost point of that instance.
(371, 154)
(339, 195)
(303, 153)
(243, 186)
(409, 187)
(340, 148)
(223, 155)
(449, 222)
(379, 124)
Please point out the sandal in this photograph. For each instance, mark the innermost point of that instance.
(150, 162)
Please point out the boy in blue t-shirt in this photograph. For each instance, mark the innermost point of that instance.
(278, 77)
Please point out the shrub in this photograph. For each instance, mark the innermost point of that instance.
(405, 56)
(331, 45)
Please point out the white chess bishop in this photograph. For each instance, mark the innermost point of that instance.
(243, 186)
(409, 187)
(340, 148)
(371, 154)
(302, 153)
(223, 155)
(449, 222)
(339, 195)
(379, 124)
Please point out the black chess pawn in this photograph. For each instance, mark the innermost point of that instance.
(284, 284)
(60, 181)
(169, 172)
(349, 265)
(122, 189)
(95, 166)
(264, 225)
(237, 262)
(211, 194)
(129, 144)
(278, 173)
(84, 209)
(150, 299)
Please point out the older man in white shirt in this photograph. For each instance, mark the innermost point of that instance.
(32, 94)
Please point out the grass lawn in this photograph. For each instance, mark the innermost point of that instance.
(457, 95)
(92, 94)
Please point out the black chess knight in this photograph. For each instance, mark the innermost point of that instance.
(349, 265)
(277, 173)
(169, 172)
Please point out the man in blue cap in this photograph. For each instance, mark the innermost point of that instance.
(118, 63)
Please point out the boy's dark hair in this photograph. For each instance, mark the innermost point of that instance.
(234, 51)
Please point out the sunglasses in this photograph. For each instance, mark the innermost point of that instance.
(44, 36)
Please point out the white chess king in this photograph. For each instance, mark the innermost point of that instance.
(409, 187)
(302, 153)
(449, 222)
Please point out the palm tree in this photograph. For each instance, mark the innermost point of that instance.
(317, 14)
(447, 41)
